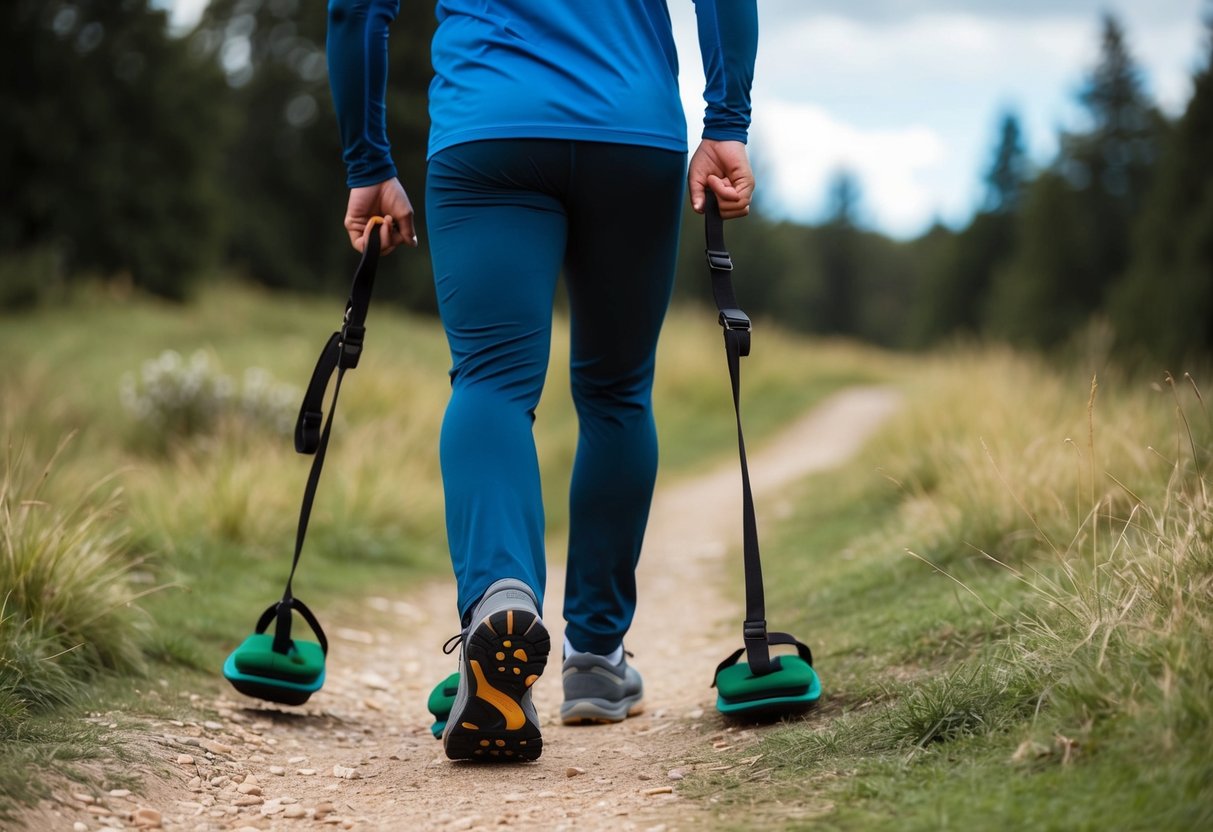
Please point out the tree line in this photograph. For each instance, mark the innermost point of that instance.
(133, 154)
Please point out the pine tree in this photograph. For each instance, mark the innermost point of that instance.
(285, 181)
(1165, 302)
(111, 136)
(1072, 237)
(1009, 170)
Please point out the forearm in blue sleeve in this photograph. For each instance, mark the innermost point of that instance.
(728, 40)
(357, 58)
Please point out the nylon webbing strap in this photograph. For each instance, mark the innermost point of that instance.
(341, 353)
(736, 325)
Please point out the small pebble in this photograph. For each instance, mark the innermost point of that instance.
(185, 759)
(249, 788)
(248, 800)
(677, 773)
(658, 790)
(86, 799)
(79, 826)
(277, 771)
(306, 772)
(573, 771)
(295, 811)
(120, 792)
(296, 760)
(346, 772)
(147, 817)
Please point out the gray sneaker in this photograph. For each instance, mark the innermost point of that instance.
(596, 691)
(504, 651)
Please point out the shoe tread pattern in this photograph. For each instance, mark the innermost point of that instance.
(506, 653)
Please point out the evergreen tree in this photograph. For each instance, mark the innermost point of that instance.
(1073, 233)
(1009, 170)
(111, 135)
(285, 181)
(1165, 302)
(838, 250)
(950, 298)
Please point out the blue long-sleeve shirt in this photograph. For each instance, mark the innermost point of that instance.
(594, 70)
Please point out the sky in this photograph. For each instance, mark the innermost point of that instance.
(908, 94)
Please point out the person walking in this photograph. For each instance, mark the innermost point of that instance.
(557, 145)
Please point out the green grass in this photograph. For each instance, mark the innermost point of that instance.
(152, 548)
(1010, 600)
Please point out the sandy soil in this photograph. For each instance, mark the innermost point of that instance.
(360, 756)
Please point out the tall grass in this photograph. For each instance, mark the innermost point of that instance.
(1012, 605)
(168, 484)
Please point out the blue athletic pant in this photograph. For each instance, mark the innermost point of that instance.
(505, 218)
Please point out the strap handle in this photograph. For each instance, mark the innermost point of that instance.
(802, 650)
(281, 610)
(736, 326)
(340, 353)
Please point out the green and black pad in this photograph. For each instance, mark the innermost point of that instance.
(276, 667)
(442, 699)
(761, 687)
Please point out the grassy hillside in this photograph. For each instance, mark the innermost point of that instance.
(135, 542)
(1010, 600)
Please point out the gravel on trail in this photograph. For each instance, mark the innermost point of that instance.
(360, 755)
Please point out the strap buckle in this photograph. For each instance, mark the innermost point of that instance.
(719, 260)
(756, 629)
(735, 319)
(352, 338)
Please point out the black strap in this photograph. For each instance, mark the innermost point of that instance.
(736, 325)
(341, 353)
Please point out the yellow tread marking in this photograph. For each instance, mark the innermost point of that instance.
(501, 743)
(520, 654)
(517, 671)
(489, 624)
(514, 717)
(500, 656)
(509, 621)
(470, 726)
(501, 670)
(507, 643)
(484, 743)
(530, 680)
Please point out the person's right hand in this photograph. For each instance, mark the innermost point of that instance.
(725, 168)
(387, 200)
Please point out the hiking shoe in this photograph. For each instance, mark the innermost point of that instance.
(504, 650)
(597, 691)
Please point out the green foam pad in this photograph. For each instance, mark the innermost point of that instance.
(792, 686)
(257, 657)
(442, 699)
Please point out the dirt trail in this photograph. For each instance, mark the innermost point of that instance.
(360, 756)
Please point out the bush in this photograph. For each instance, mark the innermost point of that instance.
(174, 398)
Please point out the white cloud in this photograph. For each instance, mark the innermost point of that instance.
(800, 146)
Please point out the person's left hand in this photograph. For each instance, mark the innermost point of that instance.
(387, 200)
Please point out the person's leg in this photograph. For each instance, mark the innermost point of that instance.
(624, 211)
(497, 235)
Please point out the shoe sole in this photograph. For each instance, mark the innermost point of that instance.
(600, 711)
(503, 657)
